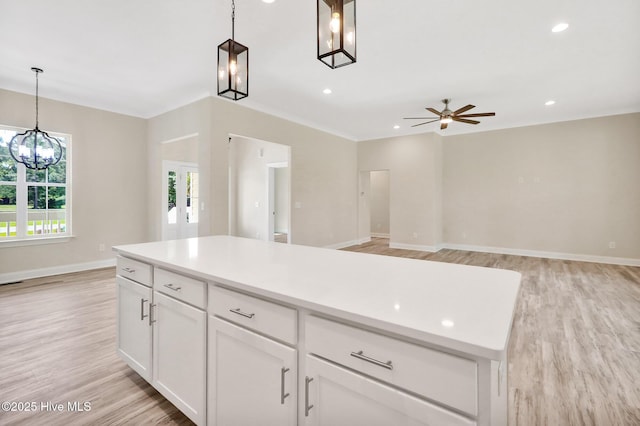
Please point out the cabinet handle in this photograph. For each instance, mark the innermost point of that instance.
(307, 407)
(282, 394)
(142, 315)
(237, 311)
(360, 355)
(129, 270)
(171, 287)
(151, 318)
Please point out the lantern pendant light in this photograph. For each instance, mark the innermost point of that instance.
(337, 32)
(233, 65)
(35, 148)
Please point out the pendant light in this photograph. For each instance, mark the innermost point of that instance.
(35, 148)
(233, 65)
(336, 32)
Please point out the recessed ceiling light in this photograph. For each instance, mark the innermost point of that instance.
(396, 127)
(560, 27)
(447, 323)
(550, 102)
(327, 91)
(268, 1)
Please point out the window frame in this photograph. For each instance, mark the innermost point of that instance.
(23, 184)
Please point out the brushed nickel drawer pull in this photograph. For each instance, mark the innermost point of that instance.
(237, 311)
(307, 407)
(151, 319)
(282, 394)
(129, 270)
(142, 315)
(171, 287)
(360, 355)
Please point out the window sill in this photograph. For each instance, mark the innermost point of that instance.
(35, 241)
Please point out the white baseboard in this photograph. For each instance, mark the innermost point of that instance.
(13, 277)
(418, 247)
(350, 243)
(378, 235)
(546, 254)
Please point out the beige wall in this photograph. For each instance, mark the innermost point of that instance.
(414, 164)
(108, 152)
(570, 187)
(323, 168)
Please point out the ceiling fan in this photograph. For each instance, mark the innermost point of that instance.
(447, 116)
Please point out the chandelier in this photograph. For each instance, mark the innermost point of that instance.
(35, 148)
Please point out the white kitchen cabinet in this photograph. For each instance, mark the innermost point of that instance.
(134, 326)
(339, 397)
(252, 378)
(179, 355)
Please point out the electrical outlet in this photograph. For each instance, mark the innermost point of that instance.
(612, 244)
(415, 235)
(101, 247)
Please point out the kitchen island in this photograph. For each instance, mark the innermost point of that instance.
(240, 331)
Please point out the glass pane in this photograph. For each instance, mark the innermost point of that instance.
(8, 168)
(46, 210)
(7, 211)
(192, 197)
(171, 198)
(58, 172)
(39, 176)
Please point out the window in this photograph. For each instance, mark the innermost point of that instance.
(34, 204)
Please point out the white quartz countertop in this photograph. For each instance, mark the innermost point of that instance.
(464, 308)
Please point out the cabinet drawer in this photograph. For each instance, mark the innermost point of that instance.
(135, 270)
(265, 317)
(180, 287)
(442, 377)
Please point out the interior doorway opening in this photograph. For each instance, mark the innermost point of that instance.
(374, 217)
(259, 189)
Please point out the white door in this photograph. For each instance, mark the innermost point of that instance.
(179, 355)
(180, 200)
(252, 379)
(134, 326)
(334, 396)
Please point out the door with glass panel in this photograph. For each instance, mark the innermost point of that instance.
(180, 195)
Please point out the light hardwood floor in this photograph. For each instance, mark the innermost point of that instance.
(574, 351)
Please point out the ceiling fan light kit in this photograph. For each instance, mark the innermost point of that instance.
(447, 116)
(336, 29)
(233, 65)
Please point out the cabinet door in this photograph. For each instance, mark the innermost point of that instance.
(252, 379)
(134, 327)
(338, 397)
(179, 355)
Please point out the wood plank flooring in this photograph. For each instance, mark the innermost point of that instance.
(574, 351)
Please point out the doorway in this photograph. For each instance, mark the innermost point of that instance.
(374, 216)
(180, 195)
(259, 189)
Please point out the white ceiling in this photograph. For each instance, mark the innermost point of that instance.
(146, 57)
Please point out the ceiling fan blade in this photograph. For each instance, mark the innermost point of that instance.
(435, 111)
(481, 114)
(426, 122)
(463, 109)
(443, 126)
(464, 120)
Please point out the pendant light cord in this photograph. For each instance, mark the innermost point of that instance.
(233, 19)
(37, 100)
